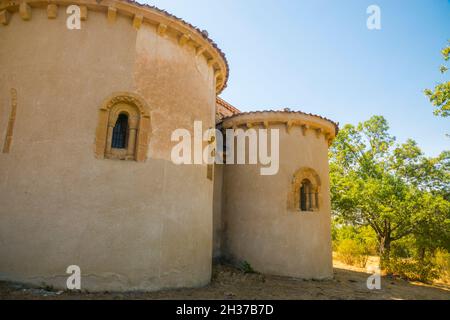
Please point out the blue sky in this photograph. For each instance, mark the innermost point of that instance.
(318, 56)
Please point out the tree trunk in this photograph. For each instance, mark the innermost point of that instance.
(385, 251)
(422, 252)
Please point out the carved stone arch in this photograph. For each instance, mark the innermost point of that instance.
(299, 177)
(138, 114)
(121, 108)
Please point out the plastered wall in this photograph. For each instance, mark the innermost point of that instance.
(128, 225)
(260, 226)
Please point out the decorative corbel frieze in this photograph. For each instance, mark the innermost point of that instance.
(112, 14)
(52, 11)
(137, 21)
(25, 11)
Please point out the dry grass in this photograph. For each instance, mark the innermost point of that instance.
(230, 283)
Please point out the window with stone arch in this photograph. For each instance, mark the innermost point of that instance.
(305, 195)
(123, 128)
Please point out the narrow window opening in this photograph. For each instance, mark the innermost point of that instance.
(120, 133)
(308, 198)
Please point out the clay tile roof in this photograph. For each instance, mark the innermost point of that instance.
(285, 111)
(228, 106)
(203, 33)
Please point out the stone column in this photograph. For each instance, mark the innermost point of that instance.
(109, 140)
(131, 143)
(132, 135)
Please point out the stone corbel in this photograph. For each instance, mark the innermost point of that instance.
(184, 39)
(137, 21)
(217, 74)
(289, 126)
(162, 29)
(5, 17)
(219, 78)
(318, 132)
(25, 11)
(52, 11)
(219, 84)
(305, 128)
(330, 142)
(199, 51)
(266, 124)
(112, 14)
(83, 13)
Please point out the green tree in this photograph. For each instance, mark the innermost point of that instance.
(392, 188)
(440, 96)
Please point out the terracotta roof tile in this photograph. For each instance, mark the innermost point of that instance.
(227, 105)
(287, 111)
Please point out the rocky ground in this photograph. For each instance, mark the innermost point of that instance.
(231, 283)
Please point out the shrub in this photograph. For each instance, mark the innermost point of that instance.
(411, 269)
(442, 263)
(246, 267)
(362, 234)
(353, 252)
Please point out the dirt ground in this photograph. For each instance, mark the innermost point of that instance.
(230, 283)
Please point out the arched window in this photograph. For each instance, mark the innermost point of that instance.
(305, 191)
(123, 128)
(120, 132)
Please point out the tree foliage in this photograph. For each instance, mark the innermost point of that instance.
(440, 96)
(391, 187)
